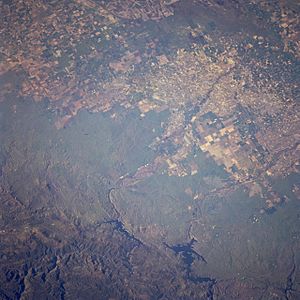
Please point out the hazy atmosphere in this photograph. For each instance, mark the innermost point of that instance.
(149, 149)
